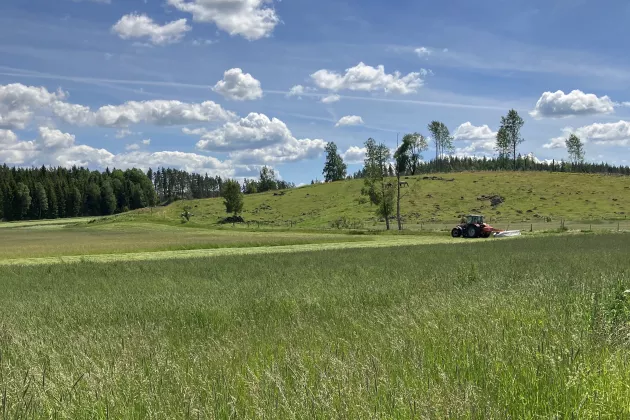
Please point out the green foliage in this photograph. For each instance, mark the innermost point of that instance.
(441, 138)
(59, 192)
(232, 196)
(267, 180)
(509, 135)
(382, 195)
(575, 149)
(334, 168)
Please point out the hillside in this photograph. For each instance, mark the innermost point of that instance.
(527, 197)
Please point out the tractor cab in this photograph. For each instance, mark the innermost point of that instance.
(474, 219)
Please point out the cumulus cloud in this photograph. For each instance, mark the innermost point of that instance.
(55, 148)
(142, 26)
(354, 154)
(146, 142)
(367, 78)
(157, 112)
(258, 139)
(608, 134)
(481, 140)
(238, 86)
(18, 103)
(422, 51)
(50, 138)
(558, 104)
(132, 146)
(469, 132)
(349, 120)
(247, 18)
(330, 99)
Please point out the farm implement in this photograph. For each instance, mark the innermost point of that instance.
(475, 227)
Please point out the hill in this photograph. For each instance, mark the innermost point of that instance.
(440, 198)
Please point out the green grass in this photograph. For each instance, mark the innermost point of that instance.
(530, 197)
(36, 240)
(529, 328)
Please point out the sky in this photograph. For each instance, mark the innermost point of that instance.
(226, 86)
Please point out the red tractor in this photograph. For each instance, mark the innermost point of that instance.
(473, 227)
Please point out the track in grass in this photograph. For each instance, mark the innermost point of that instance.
(373, 242)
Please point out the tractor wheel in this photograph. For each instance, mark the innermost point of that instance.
(456, 232)
(472, 231)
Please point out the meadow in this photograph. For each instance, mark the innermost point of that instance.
(529, 198)
(525, 328)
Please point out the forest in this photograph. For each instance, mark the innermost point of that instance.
(50, 193)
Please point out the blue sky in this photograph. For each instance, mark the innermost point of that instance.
(205, 85)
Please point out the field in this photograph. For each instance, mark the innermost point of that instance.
(530, 197)
(526, 328)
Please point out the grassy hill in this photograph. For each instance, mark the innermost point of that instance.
(527, 197)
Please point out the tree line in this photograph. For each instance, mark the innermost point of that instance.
(50, 193)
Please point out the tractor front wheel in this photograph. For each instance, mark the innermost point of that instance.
(472, 231)
(456, 232)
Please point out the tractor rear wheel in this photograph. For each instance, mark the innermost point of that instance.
(472, 231)
(456, 232)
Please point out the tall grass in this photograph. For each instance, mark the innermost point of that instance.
(531, 328)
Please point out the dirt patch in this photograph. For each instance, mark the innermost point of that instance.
(495, 200)
(437, 178)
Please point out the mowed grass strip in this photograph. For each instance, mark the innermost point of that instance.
(56, 240)
(529, 328)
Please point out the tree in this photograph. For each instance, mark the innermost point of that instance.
(250, 186)
(267, 180)
(334, 168)
(441, 138)
(108, 199)
(40, 201)
(575, 147)
(23, 200)
(231, 193)
(509, 135)
(407, 157)
(375, 168)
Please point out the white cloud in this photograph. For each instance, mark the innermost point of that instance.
(422, 51)
(354, 154)
(331, 99)
(481, 140)
(469, 132)
(55, 148)
(608, 134)
(18, 103)
(132, 146)
(299, 90)
(51, 138)
(367, 78)
(257, 139)
(157, 112)
(238, 86)
(146, 142)
(558, 104)
(142, 26)
(121, 134)
(247, 18)
(349, 120)
(253, 131)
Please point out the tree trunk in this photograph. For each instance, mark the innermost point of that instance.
(398, 203)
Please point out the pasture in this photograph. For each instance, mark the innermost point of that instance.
(525, 328)
(529, 198)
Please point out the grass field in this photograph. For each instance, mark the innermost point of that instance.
(526, 328)
(530, 197)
